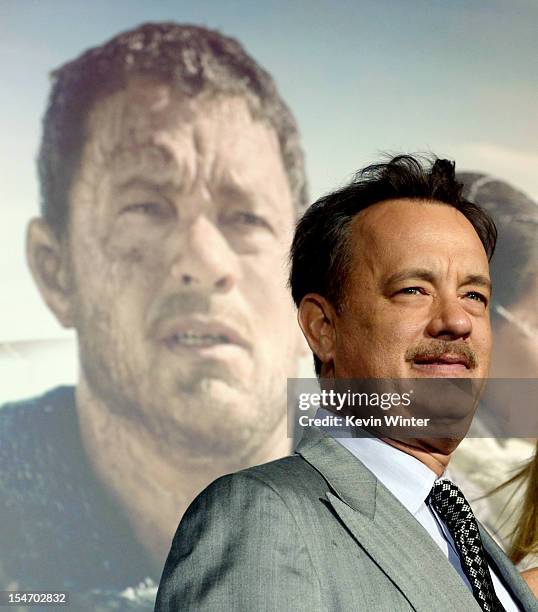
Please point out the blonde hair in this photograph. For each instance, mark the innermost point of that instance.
(524, 537)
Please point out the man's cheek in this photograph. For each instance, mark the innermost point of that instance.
(127, 251)
(121, 271)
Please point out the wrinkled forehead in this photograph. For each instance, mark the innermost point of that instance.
(135, 114)
(152, 131)
(418, 232)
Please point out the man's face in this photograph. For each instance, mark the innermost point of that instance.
(416, 298)
(181, 216)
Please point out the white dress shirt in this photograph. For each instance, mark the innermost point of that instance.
(410, 481)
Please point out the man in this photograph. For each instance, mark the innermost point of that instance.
(489, 457)
(171, 177)
(390, 276)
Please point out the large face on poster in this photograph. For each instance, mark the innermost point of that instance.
(177, 212)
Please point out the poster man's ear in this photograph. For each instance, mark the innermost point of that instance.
(49, 264)
(316, 318)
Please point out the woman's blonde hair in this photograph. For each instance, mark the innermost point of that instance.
(524, 537)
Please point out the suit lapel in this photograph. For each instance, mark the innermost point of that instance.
(390, 535)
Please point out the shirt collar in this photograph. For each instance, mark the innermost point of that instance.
(407, 478)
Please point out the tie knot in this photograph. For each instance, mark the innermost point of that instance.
(450, 503)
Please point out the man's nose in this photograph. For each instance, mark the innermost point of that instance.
(449, 320)
(203, 260)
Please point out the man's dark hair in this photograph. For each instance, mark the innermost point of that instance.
(193, 59)
(320, 252)
(515, 263)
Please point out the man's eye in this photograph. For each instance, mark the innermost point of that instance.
(249, 219)
(150, 209)
(412, 291)
(476, 296)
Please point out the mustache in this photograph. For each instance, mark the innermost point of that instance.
(181, 304)
(189, 304)
(434, 349)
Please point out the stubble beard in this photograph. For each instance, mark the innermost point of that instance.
(226, 426)
(203, 414)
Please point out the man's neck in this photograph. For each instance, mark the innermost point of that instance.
(436, 461)
(151, 482)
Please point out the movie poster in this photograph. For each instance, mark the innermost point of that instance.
(156, 157)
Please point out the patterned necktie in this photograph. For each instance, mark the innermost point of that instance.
(453, 508)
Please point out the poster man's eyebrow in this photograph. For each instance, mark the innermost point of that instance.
(225, 182)
(235, 191)
(138, 182)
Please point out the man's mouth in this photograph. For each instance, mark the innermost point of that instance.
(446, 359)
(200, 333)
(195, 339)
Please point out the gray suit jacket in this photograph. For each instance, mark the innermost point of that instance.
(315, 531)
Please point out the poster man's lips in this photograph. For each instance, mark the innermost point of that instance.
(198, 332)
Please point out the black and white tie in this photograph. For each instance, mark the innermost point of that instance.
(451, 505)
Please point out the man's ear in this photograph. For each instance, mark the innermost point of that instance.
(316, 318)
(49, 263)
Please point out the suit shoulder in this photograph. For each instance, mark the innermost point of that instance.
(241, 546)
(291, 473)
(291, 481)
